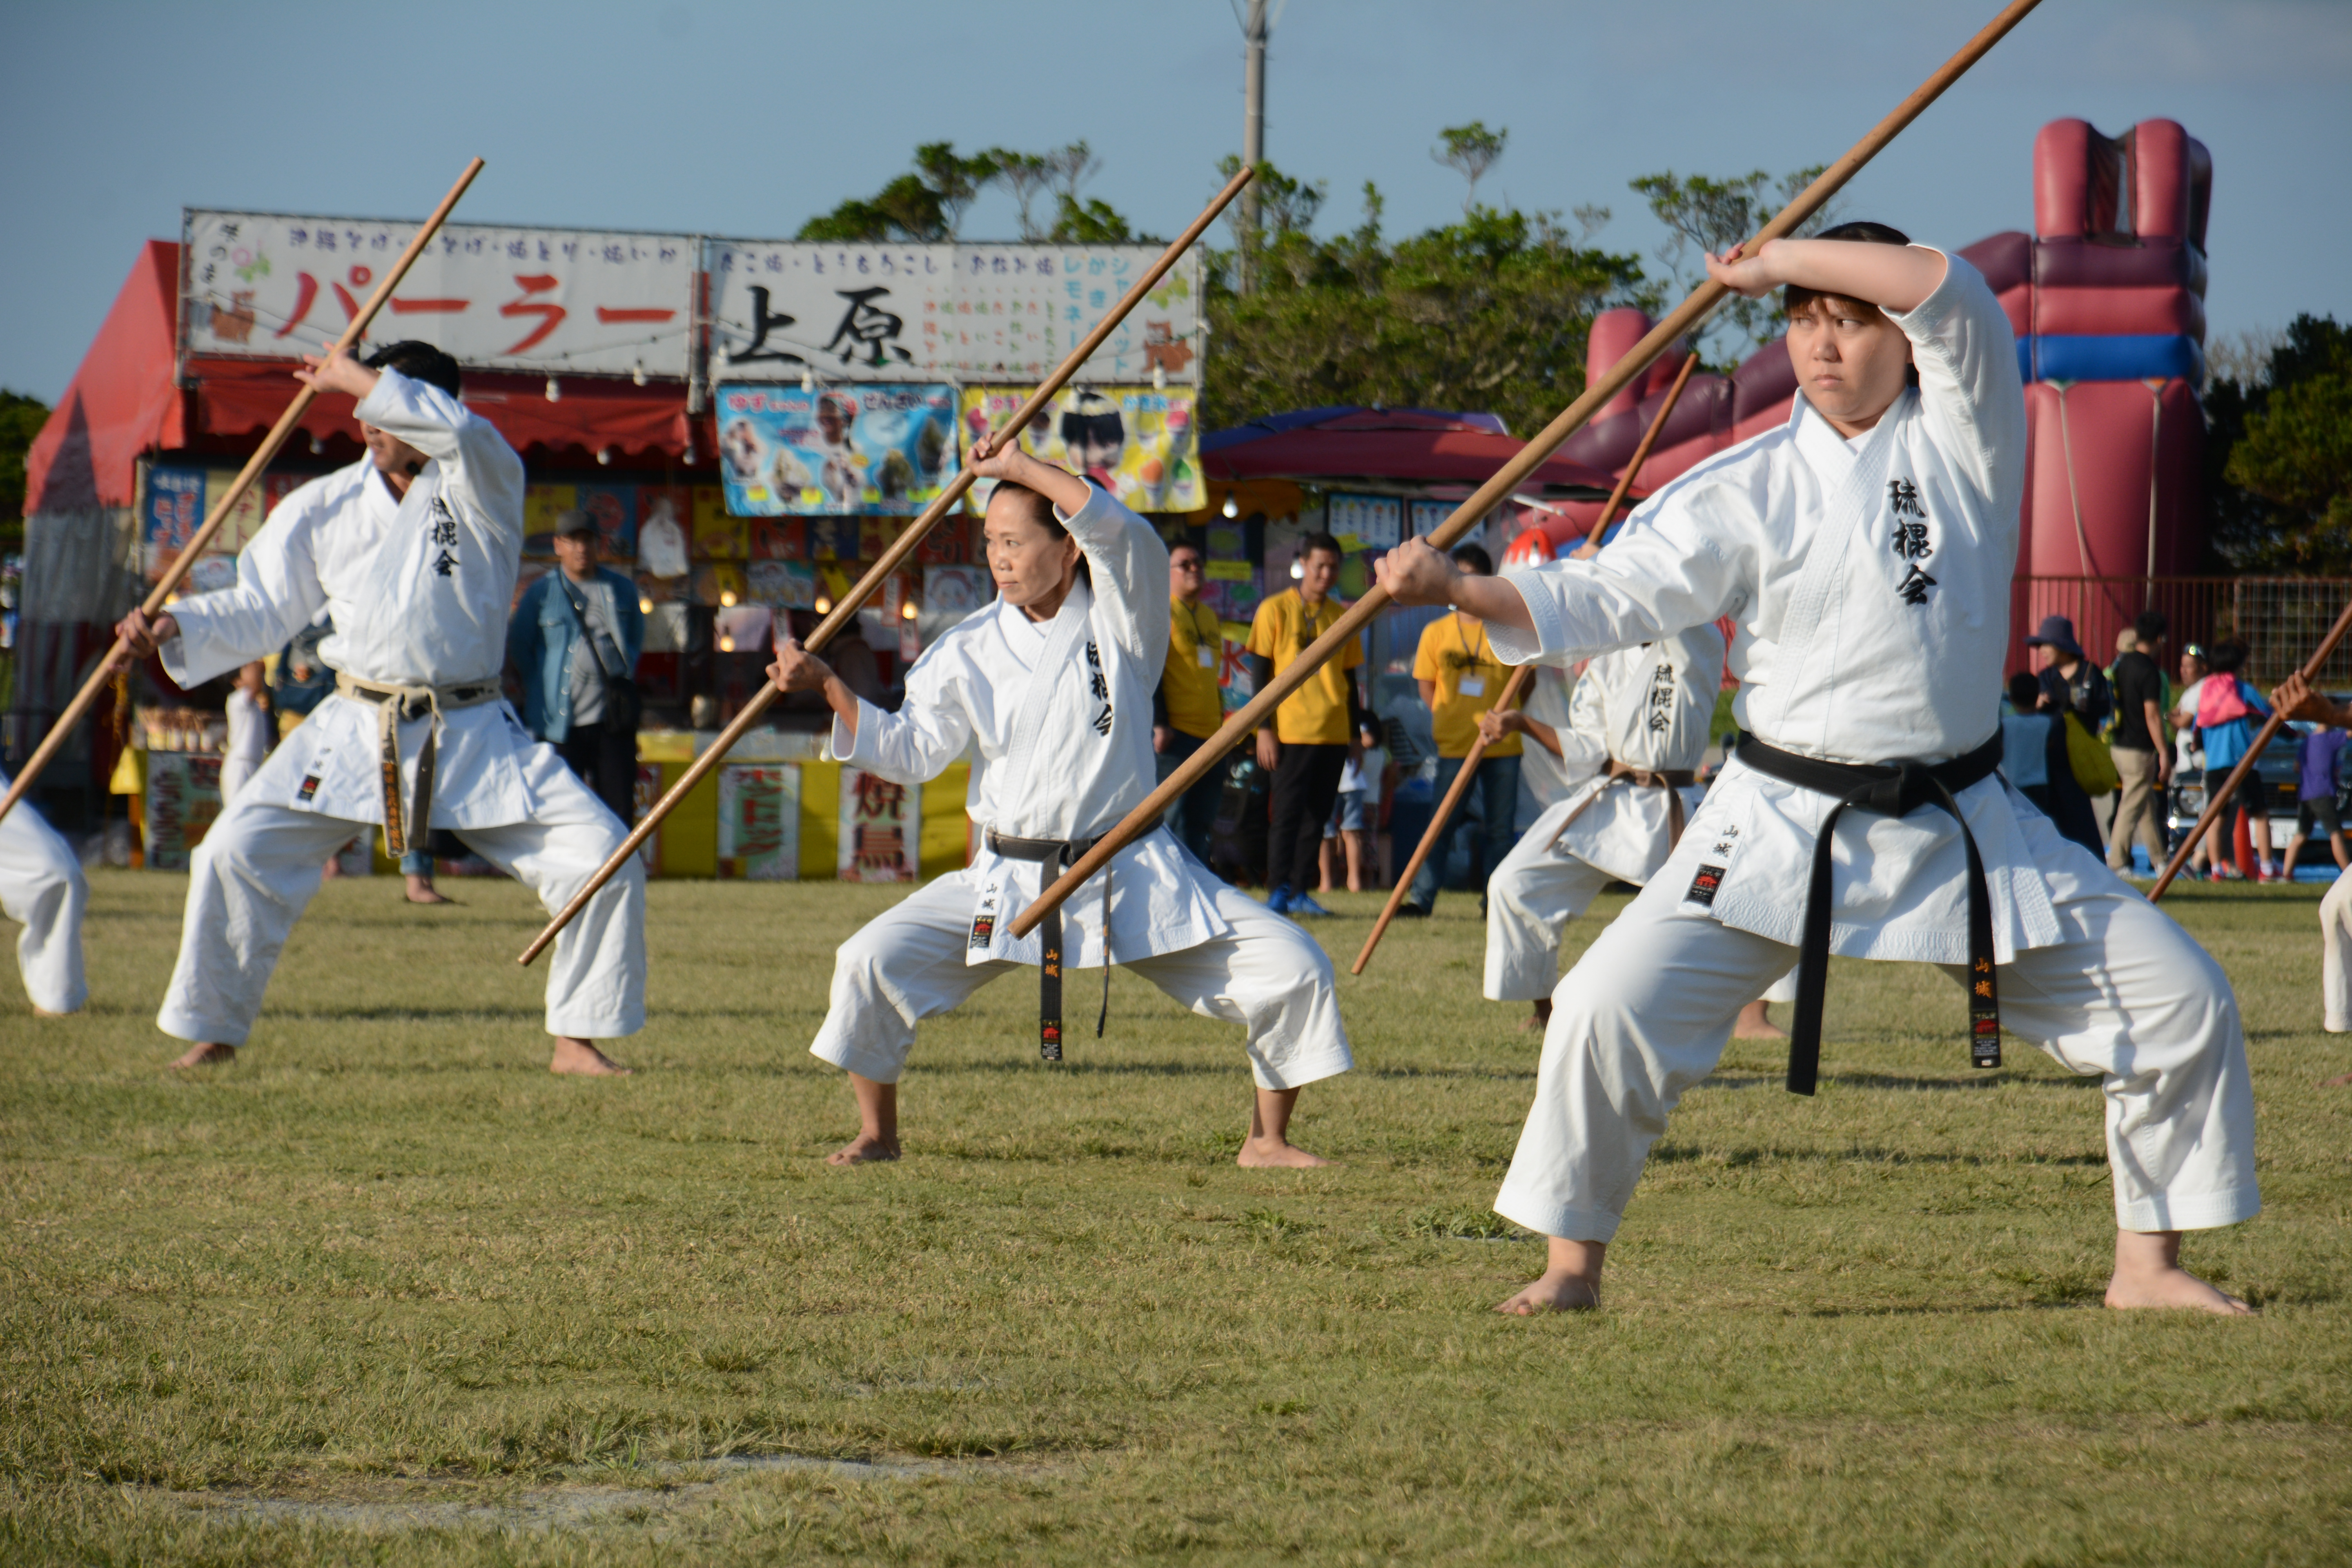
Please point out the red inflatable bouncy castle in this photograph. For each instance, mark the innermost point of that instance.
(2107, 300)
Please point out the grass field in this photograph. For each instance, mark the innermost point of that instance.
(385, 1290)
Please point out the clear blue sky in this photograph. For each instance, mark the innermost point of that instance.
(715, 116)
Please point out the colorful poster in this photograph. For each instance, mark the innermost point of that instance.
(718, 533)
(951, 593)
(1374, 522)
(182, 799)
(760, 821)
(994, 313)
(742, 628)
(881, 829)
(558, 300)
(782, 585)
(613, 508)
(778, 538)
(881, 450)
(177, 500)
(1137, 442)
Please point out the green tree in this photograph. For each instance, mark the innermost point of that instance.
(21, 419)
(927, 205)
(1470, 150)
(2279, 456)
(1706, 217)
(1487, 314)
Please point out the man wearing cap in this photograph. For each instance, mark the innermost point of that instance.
(2070, 679)
(413, 550)
(575, 640)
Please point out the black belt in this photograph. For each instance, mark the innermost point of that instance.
(1059, 853)
(1890, 789)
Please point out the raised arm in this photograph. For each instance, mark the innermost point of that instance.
(1897, 279)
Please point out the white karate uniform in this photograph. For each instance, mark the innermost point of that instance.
(42, 887)
(1870, 583)
(1058, 718)
(2336, 957)
(419, 589)
(1648, 708)
(248, 742)
(1544, 779)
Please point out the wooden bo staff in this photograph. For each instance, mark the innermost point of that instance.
(2263, 738)
(54, 742)
(1253, 714)
(900, 548)
(1518, 683)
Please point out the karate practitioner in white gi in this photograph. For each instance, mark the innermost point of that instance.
(42, 888)
(2296, 700)
(414, 549)
(1051, 687)
(1864, 551)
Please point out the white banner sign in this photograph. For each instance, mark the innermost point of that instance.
(949, 312)
(269, 286)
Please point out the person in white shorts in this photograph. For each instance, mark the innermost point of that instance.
(1864, 552)
(1051, 689)
(2294, 698)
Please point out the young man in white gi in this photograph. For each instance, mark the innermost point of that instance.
(42, 888)
(1865, 548)
(413, 548)
(1051, 687)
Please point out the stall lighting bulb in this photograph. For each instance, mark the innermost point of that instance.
(824, 605)
(1159, 378)
(808, 379)
(554, 392)
(605, 457)
(727, 598)
(1233, 507)
(726, 645)
(318, 447)
(645, 605)
(907, 611)
(1297, 568)
(637, 373)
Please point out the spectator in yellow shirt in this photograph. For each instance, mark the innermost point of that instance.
(1460, 679)
(1188, 706)
(1308, 747)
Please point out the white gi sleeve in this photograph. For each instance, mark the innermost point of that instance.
(277, 594)
(1584, 739)
(1969, 389)
(914, 744)
(1679, 562)
(476, 462)
(1127, 565)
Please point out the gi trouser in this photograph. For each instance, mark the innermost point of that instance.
(1267, 976)
(2335, 956)
(2126, 994)
(1534, 893)
(41, 885)
(260, 863)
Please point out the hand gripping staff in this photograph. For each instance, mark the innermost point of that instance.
(900, 548)
(1702, 299)
(2220, 797)
(54, 742)
(1518, 683)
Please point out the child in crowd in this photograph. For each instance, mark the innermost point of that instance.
(1349, 831)
(2226, 709)
(2315, 756)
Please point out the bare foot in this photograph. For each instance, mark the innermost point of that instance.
(2148, 1274)
(864, 1148)
(210, 1054)
(421, 891)
(579, 1057)
(1557, 1291)
(1275, 1154)
(1755, 1022)
(44, 1013)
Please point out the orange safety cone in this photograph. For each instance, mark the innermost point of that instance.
(2241, 844)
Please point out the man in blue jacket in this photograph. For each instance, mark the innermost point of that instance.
(575, 641)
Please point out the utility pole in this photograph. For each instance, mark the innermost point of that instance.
(1255, 29)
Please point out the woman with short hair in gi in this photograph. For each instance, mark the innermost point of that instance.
(1864, 551)
(1051, 690)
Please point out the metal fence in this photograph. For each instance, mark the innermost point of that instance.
(2280, 619)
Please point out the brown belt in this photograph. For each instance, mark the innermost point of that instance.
(1674, 780)
(394, 703)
